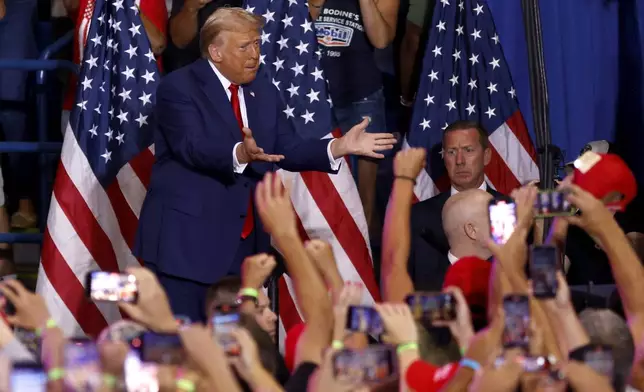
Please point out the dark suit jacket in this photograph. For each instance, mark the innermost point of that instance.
(192, 216)
(428, 261)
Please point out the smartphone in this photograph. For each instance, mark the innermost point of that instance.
(364, 319)
(551, 203)
(600, 358)
(372, 365)
(9, 309)
(140, 376)
(532, 364)
(544, 260)
(503, 219)
(517, 321)
(432, 306)
(162, 348)
(28, 377)
(223, 321)
(82, 366)
(111, 287)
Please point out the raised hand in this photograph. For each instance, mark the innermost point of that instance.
(256, 269)
(399, 323)
(461, 328)
(274, 206)
(359, 142)
(31, 310)
(595, 217)
(409, 162)
(195, 5)
(249, 151)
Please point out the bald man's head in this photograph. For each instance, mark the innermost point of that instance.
(465, 219)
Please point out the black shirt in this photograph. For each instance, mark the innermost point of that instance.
(174, 57)
(347, 55)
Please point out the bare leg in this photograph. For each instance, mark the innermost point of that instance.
(408, 53)
(367, 173)
(6, 260)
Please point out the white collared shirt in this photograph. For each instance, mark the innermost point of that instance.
(452, 259)
(482, 187)
(240, 167)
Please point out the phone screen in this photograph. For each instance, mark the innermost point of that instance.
(372, 365)
(30, 378)
(503, 219)
(223, 323)
(162, 348)
(543, 271)
(552, 203)
(432, 306)
(600, 359)
(140, 376)
(364, 319)
(82, 367)
(111, 287)
(517, 321)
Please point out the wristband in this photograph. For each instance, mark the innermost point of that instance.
(109, 380)
(406, 347)
(470, 363)
(248, 292)
(183, 384)
(463, 350)
(337, 344)
(55, 374)
(51, 323)
(413, 180)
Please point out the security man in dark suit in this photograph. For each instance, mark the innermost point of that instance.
(466, 152)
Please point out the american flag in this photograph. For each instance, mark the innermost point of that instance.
(328, 206)
(104, 168)
(465, 77)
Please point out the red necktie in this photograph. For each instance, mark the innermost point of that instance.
(234, 101)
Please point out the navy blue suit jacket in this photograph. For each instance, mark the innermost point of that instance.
(194, 210)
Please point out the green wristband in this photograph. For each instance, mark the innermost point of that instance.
(407, 347)
(109, 380)
(51, 323)
(186, 385)
(249, 292)
(337, 344)
(55, 374)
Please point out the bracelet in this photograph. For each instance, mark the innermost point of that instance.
(55, 374)
(337, 344)
(183, 384)
(470, 363)
(463, 350)
(109, 380)
(51, 323)
(406, 347)
(405, 178)
(248, 292)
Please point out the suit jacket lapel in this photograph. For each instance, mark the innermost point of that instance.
(211, 86)
(251, 108)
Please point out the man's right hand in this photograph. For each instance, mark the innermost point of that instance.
(248, 151)
(195, 5)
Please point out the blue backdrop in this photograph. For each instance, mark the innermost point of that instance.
(593, 51)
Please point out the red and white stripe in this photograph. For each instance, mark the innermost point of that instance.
(328, 207)
(513, 161)
(88, 228)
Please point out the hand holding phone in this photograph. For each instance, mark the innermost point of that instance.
(162, 348)
(104, 286)
(372, 365)
(551, 203)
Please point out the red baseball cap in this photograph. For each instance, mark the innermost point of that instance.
(472, 275)
(607, 177)
(424, 377)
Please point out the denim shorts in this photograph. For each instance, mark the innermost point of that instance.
(372, 106)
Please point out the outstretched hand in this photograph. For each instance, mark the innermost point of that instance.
(358, 142)
(249, 151)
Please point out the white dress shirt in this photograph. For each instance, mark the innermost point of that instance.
(240, 167)
(452, 259)
(482, 187)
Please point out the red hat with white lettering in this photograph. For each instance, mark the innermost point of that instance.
(424, 377)
(607, 177)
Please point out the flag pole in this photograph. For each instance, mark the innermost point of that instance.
(547, 153)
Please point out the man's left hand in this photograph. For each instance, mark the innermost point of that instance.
(358, 142)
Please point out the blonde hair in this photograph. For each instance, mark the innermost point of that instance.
(226, 19)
